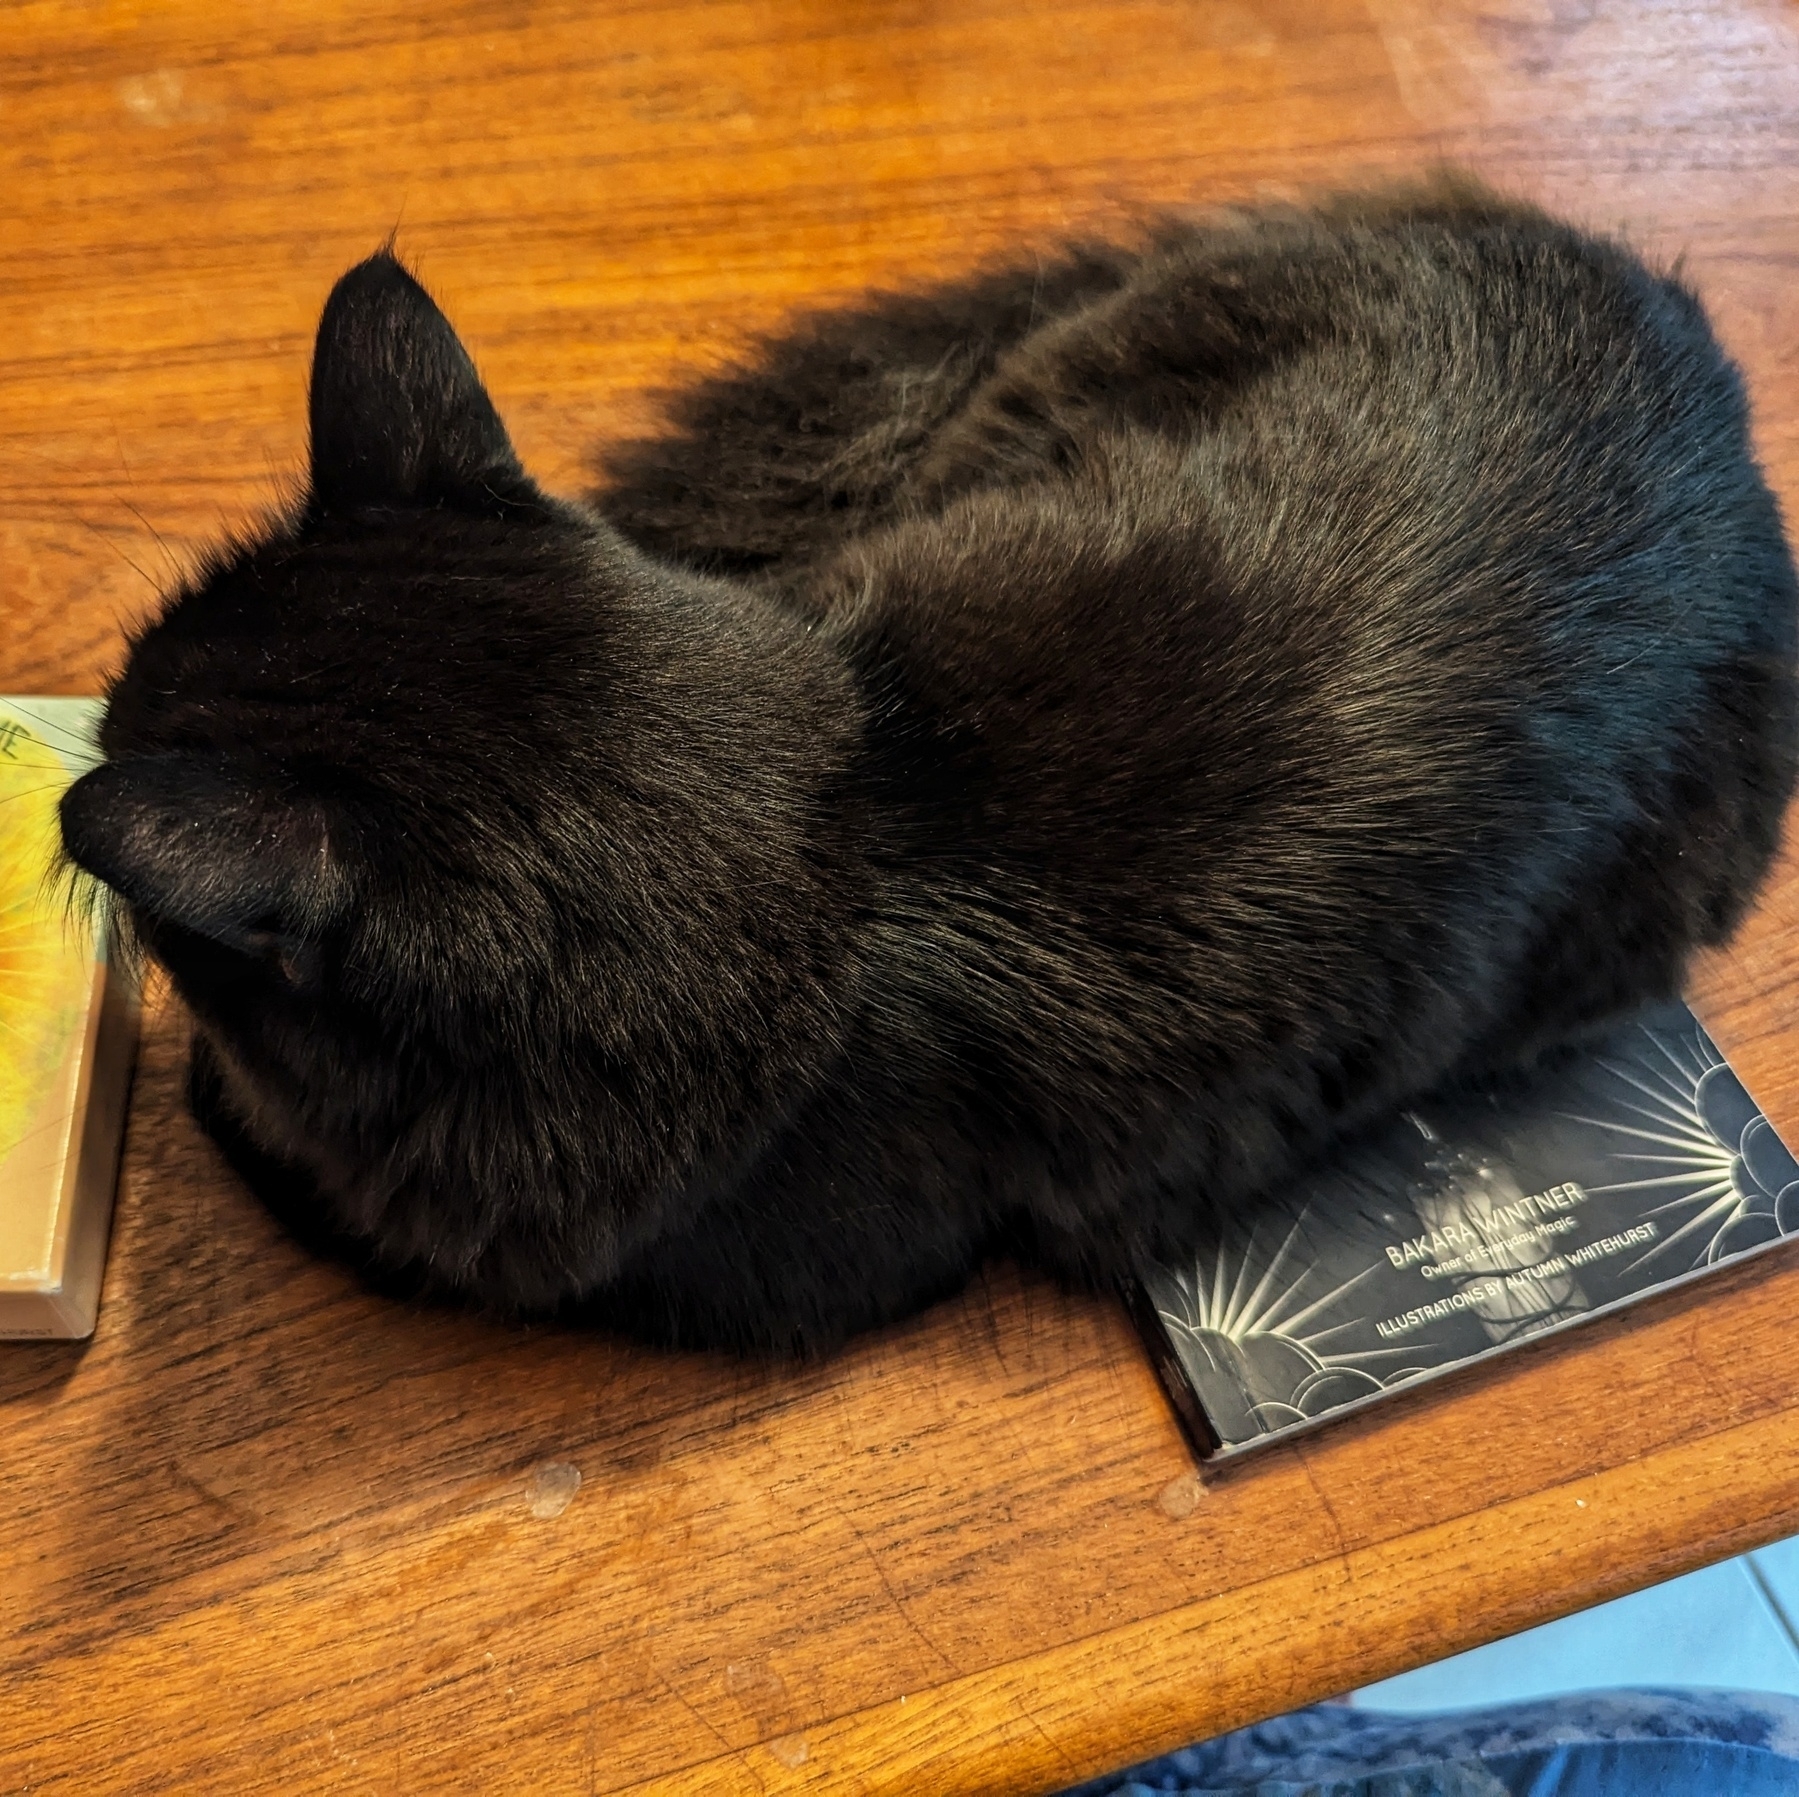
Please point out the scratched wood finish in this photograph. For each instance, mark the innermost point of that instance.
(266, 1534)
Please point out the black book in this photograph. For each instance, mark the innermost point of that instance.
(1484, 1217)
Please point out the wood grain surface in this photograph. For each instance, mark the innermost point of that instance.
(268, 1534)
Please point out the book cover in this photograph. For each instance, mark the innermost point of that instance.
(67, 1031)
(1468, 1223)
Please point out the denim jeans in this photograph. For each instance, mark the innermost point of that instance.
(1592, 1744)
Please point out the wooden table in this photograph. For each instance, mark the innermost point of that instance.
(265, 1533)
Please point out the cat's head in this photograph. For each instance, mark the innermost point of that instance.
(429, 799)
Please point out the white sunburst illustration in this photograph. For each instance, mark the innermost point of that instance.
(1266, 1337)
(1728, 1182)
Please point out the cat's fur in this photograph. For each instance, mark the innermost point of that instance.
(1025, 764)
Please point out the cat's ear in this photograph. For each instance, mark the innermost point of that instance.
(190, 841)
(398, 415)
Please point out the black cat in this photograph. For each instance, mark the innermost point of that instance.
(1022, 766)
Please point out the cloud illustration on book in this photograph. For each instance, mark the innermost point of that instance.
(1257, 1343)
(1709, 1137)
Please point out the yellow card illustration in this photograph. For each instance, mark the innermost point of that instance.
(67, 1024)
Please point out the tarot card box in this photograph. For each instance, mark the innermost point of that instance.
(68, 1028)
(1471, 1223)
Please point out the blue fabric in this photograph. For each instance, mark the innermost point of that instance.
(1592, 1744)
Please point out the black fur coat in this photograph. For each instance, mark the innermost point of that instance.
(1019, 766)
